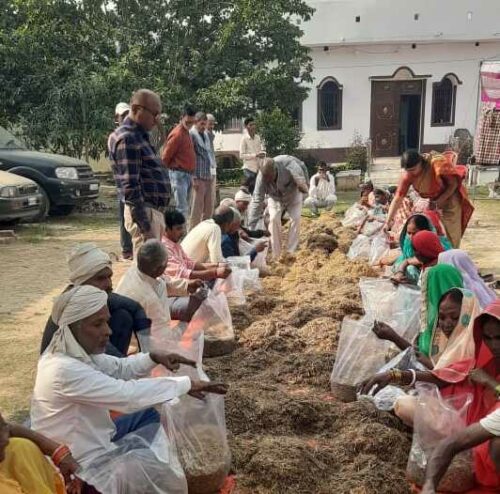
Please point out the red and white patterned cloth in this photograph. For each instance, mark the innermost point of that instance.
(487, 139)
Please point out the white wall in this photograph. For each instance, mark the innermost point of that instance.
(334, 21)
(352, 66)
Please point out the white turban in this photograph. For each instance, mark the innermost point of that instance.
(71, 306)
(86, 260)
(241, 195)
(228, 202)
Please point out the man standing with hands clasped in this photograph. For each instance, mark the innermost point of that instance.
(138, 171)
(251, 152)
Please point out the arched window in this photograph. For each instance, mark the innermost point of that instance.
(443, 101)
(329, 105)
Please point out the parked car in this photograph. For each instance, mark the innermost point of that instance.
(20, 198)
(64, 182)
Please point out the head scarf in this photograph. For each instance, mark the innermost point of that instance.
(428, 245)
(86, 260)
(460, 345)
(404, 240)
(484, 401)
(472, 280)
(436, 282)
(243, 196)
(71, 306)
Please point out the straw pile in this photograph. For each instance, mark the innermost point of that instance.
(286, 431)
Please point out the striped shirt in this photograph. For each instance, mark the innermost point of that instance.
(203, 150)
(138, 172)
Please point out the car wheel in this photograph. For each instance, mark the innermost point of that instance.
(64, 210)
(44, 206)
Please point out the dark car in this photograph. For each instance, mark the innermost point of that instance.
(20, 198)
(64, 182)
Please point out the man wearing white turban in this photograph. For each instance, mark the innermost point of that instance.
(89, 265)
(77, 385)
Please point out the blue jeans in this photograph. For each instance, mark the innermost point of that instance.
(181, 187)
(134, 421)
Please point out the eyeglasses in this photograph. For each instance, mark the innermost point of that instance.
(152, 113)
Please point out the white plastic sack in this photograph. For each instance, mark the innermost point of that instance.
(354, 216)
(214, 319)
(359, 353)
(142, 461)
(398, 306)
(199, 430)
(372, 228)
(380, 246)
(260, 258)
(436, 418)
(360, 248)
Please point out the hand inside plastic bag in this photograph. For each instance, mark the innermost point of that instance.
(171, 361)
(384, 331)
(199, 388)
(377, 382)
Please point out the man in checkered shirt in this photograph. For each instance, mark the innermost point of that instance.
(138, 171)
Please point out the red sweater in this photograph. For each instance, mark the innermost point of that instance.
(178, 152)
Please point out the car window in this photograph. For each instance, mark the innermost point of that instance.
(8, 141)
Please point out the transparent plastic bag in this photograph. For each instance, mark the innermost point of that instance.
(380, 246)
(398, 306)
(360, 248)
(239, 262)
(199, 430)
(233, 286)
(252, 282)
(359, 354)
(354, 216)
(213, 318)
(436, 418)
(142, 461)
(386, 398)
(260, 258)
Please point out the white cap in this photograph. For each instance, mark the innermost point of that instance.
(243, 196)
(122, 108)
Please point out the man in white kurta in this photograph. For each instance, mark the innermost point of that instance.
(77, 385)
(322, 193)
(203, 242)
(146, 283)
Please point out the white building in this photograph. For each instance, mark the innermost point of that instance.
(403, 73)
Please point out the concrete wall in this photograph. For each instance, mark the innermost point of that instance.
(334, 21)
(353, 66)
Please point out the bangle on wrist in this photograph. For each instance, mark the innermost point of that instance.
(413, 377)
(497, 390)
(59, 454)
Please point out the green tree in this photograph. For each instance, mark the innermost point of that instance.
(68, 62)
(279, 132)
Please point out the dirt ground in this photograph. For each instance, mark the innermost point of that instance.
(279, 405)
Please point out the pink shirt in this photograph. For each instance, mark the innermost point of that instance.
(179, 265)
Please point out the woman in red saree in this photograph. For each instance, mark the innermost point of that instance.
(436, 177)
(461, 378)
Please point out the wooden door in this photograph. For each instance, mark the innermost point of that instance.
(384, 123)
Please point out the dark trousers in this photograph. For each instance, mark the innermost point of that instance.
(125, 238)
(134, 421)
(250, 177)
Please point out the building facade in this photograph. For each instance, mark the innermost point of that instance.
(404, 74)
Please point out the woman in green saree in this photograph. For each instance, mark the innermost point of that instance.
(407, 267)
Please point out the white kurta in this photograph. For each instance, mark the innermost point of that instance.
(152, 295)
(492, 422)
(203, 242)
(71, 399)
(249, 149)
